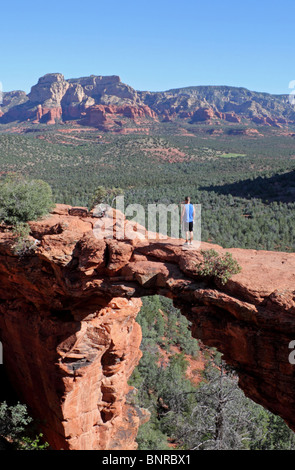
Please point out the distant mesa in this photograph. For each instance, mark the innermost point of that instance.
(106, 102)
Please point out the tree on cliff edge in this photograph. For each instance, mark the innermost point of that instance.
(104, 195)
(22, 200)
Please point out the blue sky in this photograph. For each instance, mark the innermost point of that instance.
(152, 45)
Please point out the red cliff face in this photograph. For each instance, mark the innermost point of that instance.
(269, 121)
(203, 114)
(195, 104)
(135, 112)
(48, 115)
(103, 116)
(70, 339)
(96, 116)
(232, 117)
(207, 114)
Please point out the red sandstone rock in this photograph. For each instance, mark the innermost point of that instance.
(70, 340)
(260, 120)
(134, 112)
(268, 121)
(252, 132)
(185, 114)
(95, 116)
(219, 115)
(48, 115)
(273, 122)
(167, 117)
(232, 117)
(73, 111)
(206, 114)
(105, 116)
(203, 114)
(282, 121)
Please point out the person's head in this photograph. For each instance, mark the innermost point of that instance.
(187, 199)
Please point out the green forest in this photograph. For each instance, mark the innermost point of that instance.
(211, 413)
(246, 189)
(246, 201)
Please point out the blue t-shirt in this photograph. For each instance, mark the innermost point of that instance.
(189, 213)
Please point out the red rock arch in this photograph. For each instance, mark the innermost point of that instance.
(71, 341)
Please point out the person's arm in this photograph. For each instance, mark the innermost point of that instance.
(183, 212)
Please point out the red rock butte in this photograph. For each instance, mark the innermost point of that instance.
(71, 341)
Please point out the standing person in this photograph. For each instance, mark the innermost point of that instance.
(188, 214)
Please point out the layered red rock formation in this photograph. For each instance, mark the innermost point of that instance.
(185, 114)
(207, 114)
(96, 116)
(196, 104)
(232, 117)
(67, 322)
(135, 112)
(70, 366)
(48, 115)
(203, 114)
(103, 116)
(268, 121)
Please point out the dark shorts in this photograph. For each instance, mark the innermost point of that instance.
(188, 226)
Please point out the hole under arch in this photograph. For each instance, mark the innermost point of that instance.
(192, 395)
